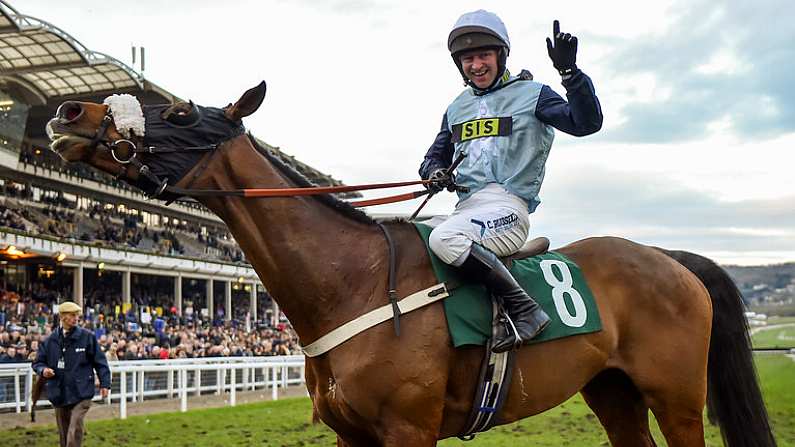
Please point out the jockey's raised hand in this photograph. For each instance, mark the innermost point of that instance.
(563, 51)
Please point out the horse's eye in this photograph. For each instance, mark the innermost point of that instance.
(181, 114)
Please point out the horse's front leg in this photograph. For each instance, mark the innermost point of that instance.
(403, 435)
(412, 423)
(342, 442)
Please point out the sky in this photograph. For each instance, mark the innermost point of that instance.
(696, 150)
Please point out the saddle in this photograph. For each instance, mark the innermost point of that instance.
(530, 248)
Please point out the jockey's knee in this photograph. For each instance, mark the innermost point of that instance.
(451, 247)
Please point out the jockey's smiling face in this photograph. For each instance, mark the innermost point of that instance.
(480, 66)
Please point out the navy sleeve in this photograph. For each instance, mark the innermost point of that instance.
(440, 154)
(580, 116)
(100, 364)
(40, 363)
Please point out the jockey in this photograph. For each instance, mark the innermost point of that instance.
(504, 125)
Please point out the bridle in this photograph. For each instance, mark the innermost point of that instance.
(132, 158)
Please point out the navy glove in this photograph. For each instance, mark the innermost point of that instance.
(564, 51)
(440, 179)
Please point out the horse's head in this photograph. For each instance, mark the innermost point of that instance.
(148, 146)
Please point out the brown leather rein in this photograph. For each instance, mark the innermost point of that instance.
(143, 169)
(317, 190)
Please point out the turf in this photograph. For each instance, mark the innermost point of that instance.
(783, 337)
(287, 423)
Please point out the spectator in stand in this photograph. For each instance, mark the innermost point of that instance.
(159, 325)
(132, 352)
(11, 356)
(112, 354)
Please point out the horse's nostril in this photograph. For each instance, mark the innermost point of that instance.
(72, 113)
(69, 112)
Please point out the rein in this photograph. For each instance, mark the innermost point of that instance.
(131, 159)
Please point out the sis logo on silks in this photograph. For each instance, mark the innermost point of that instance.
(482, 127)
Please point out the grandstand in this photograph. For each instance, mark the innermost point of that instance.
(69, 232)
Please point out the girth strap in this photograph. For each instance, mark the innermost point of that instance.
(391, 292)
(374, 317)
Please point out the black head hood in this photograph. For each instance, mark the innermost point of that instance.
(209, 129)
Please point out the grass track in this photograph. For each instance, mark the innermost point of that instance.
(781, 337)
(287, 423)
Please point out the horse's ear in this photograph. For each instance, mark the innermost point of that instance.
(247, 104)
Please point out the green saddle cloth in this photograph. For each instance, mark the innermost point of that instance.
(553, 280)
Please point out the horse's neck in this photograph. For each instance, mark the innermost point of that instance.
(321, 266)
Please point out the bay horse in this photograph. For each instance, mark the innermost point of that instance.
(674, 336)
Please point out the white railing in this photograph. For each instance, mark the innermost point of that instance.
(139, 379)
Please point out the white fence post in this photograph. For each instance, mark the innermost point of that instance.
(233, 383)
(28, 390)
(183, 389)
(274, 384)
(284, 376)
(123, 395)
(140, 386)
(17, 393)
(197, 379)
(133, 383)
(170, 383)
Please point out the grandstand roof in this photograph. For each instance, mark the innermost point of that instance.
(49, 63)
(44, 65)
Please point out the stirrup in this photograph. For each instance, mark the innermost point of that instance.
(507, 324)
(517, 342)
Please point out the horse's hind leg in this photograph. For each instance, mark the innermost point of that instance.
(682, 427)
(619, 406)
(675, 392)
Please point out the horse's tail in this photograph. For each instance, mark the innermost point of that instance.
(734, 400)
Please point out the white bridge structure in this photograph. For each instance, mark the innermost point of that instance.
(135, 381)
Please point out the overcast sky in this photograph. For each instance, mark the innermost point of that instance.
(696, 151)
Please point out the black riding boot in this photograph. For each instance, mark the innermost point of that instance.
(527, 316)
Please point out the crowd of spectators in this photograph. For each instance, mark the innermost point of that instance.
(53, 215)
(140, 333)
(13, 219)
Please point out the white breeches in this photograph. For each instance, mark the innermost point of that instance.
(491, 217)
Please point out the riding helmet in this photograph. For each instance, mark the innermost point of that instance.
(479, 29)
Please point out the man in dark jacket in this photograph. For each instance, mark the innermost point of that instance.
(68, 359)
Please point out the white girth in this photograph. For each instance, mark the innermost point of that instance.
(370, 319)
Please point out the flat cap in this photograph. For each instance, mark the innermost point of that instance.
(69, 307)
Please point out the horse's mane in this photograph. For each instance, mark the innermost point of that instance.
(300, 180)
